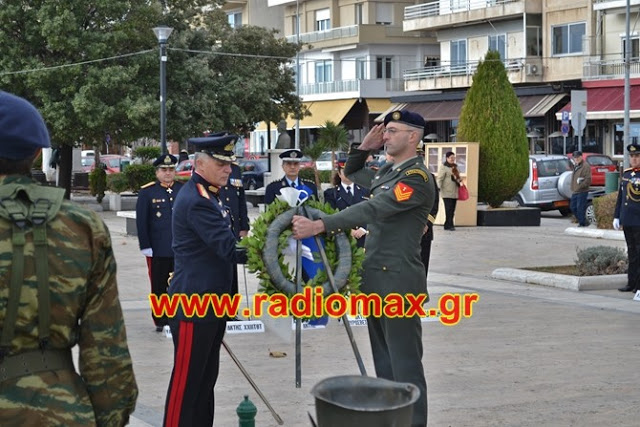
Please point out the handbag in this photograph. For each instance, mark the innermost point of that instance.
(463, 193)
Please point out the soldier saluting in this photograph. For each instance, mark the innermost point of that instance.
(402, 195)
(627, 215)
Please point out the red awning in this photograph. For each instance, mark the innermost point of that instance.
(608, 103)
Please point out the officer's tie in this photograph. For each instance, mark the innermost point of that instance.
(293, 184)
(349, 191)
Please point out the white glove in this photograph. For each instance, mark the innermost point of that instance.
(148, 252)
(616, 224)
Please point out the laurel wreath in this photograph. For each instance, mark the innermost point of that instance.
(256, 242)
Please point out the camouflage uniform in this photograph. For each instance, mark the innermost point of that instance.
(84, 310)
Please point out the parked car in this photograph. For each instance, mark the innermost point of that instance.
(324, 161)
(185, 167)
(600, 165)
(253, 173)
(112, 162)
(541, 190)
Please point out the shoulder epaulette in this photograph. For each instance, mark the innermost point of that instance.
(148, 184)
(628, 169)
(202, 191)
(420, 172)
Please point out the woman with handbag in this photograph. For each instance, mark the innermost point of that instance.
(449, 182)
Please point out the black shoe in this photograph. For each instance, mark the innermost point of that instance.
(159, 328)
(627, 288)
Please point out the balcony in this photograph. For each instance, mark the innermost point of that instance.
(358, 34)
(616, 6)
(445, 14)
(519, 70)
(610, 69)
(341, 89)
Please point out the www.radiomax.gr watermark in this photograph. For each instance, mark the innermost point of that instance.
(451, 308)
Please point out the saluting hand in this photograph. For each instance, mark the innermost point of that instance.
(373, 140)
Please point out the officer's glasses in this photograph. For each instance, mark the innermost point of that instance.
(393, 131)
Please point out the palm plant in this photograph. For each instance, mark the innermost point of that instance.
(333, 137)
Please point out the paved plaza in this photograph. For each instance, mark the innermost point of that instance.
(528, 356)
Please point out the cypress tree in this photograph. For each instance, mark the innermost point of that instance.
(491, 115)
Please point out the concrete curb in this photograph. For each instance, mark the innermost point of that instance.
(563, 281)
(594, 233)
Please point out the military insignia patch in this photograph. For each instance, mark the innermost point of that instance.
(202, 191)
(396, 115)
(420, 172)
(402, 192)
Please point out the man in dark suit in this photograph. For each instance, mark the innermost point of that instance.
(291, 166)
(154, 210)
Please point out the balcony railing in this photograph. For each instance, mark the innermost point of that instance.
(333, 33)
(436, 8)
(602, 70)
(340, 86)
(458, 69)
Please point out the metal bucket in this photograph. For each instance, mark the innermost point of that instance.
(352, 400)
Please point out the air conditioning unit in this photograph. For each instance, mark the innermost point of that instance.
(532, 69)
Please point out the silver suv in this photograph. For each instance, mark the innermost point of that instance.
(541, 188)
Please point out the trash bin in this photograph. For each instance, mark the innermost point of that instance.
(611, 182)
(352, 400)
(124, 164)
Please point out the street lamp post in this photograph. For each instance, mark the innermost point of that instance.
(163, 33)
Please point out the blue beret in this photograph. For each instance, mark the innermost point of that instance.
(291, 156)
(22, 129)
(219, 145)
(407, 117)
(165, 161)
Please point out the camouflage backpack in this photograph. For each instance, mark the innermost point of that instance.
(28, 207)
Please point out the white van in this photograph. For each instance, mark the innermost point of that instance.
(88, 153)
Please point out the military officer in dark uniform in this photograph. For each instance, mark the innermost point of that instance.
(204, 252)
(153, 220)
(291, 166)
(346, 193)
(627, 215)
(402, 195)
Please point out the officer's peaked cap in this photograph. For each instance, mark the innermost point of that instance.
(633, 148)
(165, 161)
(219, 145)
(22, 129)
(291, 156)
(407, 117)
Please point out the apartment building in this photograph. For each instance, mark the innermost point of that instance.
(254, 12)
(549, 47)
(353, 61)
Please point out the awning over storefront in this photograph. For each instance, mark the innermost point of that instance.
(607, 103)
(321, 112)
(377, 105)
(532, 106)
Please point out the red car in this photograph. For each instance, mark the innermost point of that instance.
(600, 165)
(185, 167)
(112, 163)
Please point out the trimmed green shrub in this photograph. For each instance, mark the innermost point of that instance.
(117, 182)
(147, 153)
(491, 115)
(604, 208)
(308, 173)
(98, 183)
(139, 175)
(599, 260)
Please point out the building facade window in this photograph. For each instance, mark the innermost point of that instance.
(294, 24)
(534, 41)
(567, 39)
(384, 13)
(499, 44)
(323, 20)
(324, 71)
(361, 68)
(618, 141)
(635, 47)
(235, 19)
(458, 52)
(359, 14)
(384, 67)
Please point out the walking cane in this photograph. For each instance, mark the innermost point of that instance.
(253, 384)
